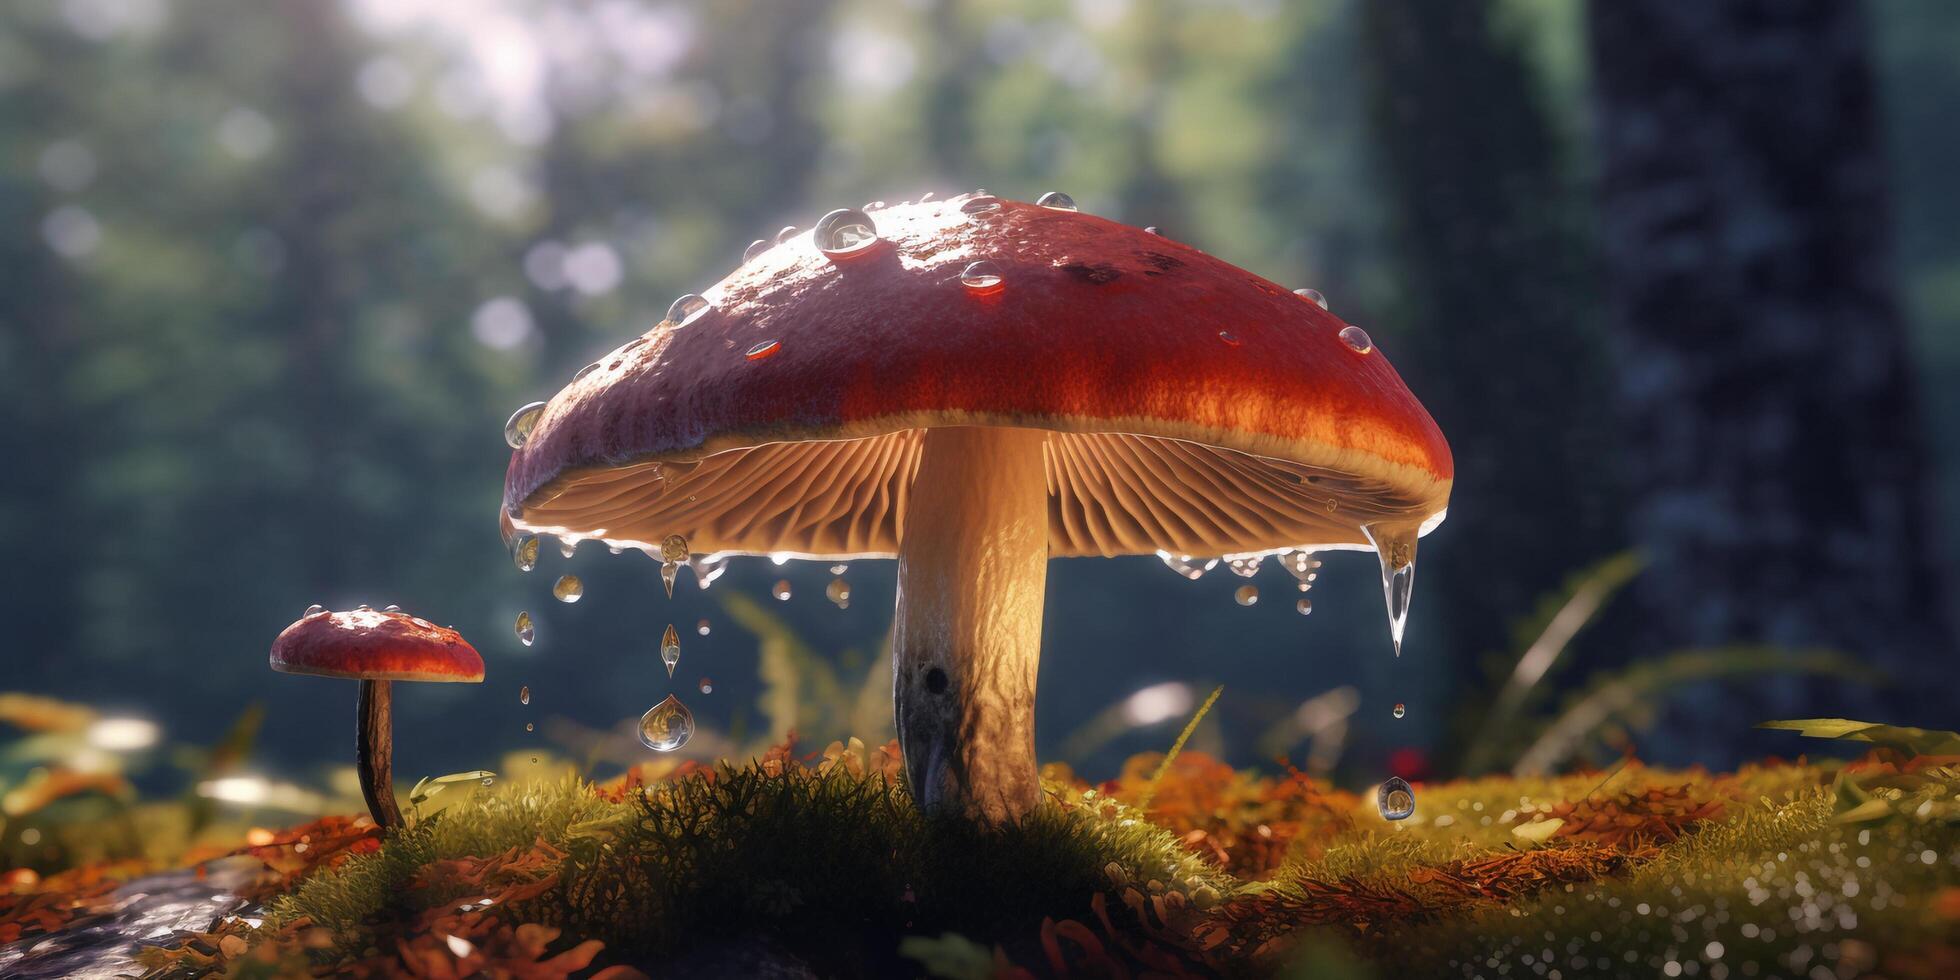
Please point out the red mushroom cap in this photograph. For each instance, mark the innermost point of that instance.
(375, 646)
(1196, 407)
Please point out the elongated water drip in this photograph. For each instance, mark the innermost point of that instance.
(1396, 546)
(670, 649)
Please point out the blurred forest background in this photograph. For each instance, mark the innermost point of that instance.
(272, 275)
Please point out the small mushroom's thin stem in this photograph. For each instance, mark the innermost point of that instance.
(374, 751)
(972, 564)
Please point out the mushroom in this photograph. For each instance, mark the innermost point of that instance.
(1091, 390)
(377, 649)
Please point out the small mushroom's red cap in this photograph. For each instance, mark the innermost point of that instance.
(1193, 407)
(375, 646)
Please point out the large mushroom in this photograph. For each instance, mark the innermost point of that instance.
(377, 649)
(867, 391)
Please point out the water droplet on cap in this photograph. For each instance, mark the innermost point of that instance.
(767, 348)
(391, 608)
(314, 610)
(844, 232)
(1357, 339)
(518, 429)
(788, 232)
(1395, 799)
(981, 278)
(980, 205)
(364, 607)
(687, 309)
(755, 250)
(1312, 294)
(1152, 230)
(582, 372)
(666, 726)
(1056, 200)
(869, 205)
(525, 631)
(568, 588)
(781, 589)
(1247, 595)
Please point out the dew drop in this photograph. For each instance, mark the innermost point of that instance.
(667, 725)
(314, 610)
(1247, 595)
(391, 608)
(364, 607)
(524, 553)
(1152, 230)
(755, 250)
(670, 649)
(525, 631)
(1395, 799)
(927, 196)
(1056, 200)
(981, 278)
(707, 686)
(1231, 339)
(580, 374)
(873, 205)
(524, 694)
(1397, 549)
(518, 429)
(1304, 607)
(781, 589)
(568, 588)
(1356, 339)
(1313, 295)
(839, 568)
(767, 348)
(1244, 566)
(687, 309)
(1186, 565)
(839, 592)
(788, 232)
(981, 205)
(1400, 709)
(844, 232)
(703, 627)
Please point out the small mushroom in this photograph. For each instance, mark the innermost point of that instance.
(976, 392)
(377, 649)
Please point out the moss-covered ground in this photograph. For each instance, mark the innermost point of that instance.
(819, 861)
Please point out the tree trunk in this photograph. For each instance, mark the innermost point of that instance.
(1776, 462)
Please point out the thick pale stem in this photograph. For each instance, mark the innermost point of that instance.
(374, 752)
(972, 564)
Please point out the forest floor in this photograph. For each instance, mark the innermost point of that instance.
(817, 864)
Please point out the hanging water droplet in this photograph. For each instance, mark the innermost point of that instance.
(1244, 566)
(780, 558)
(673, 551)
(568, 546)
(687, 309)
(524, 694)
(1231, 339)
(525, 631)
(1312, 295)
(568, 588)
(707, 686)
(1400, 709)
(1356, 339)
(707, 569)
(755, 250)
(703, 627)
(767, 348)
(518, 429)
(1304, 607)
(667, 725)
(391, 608)
(844, 232)
(1395, 799)
(1302, 565)
(781, 589)
(839, 568)
(668, 572)
(788, 232)
(1247, 595)
(314, 610)
(1057, 200)
(1186, 565)
(981, 204)
(1397, 548)
(524, 553)
(839, 592)
(981, 278)
(670, 649)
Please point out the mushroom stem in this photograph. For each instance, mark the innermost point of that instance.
(972, 564)
(374, 751)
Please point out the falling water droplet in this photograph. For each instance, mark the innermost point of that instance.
(755, 250)
(1400, 709)
(568, 546)
(315, 610)
(530, 726)
(1186, 565)
(788, 232)
(525, 631)
(1397, 548)
(1247, 595)
(982, 204)
(1357, 339)
(524, 694)
(1244, 566)
(703, 627)
(391, 608)
(1304, 607)
(707, 686)
(839, 568)
(844, 232)
(525, 553)
(1395, 799)
(670, 649)
(687, 309)
(839, 592)
(1056, 200)
(981, 278)
(1313, 295)
(781, 589)
(522, 421)
(707, 569)
(667, 725)
(568, 588)
(767, 348)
